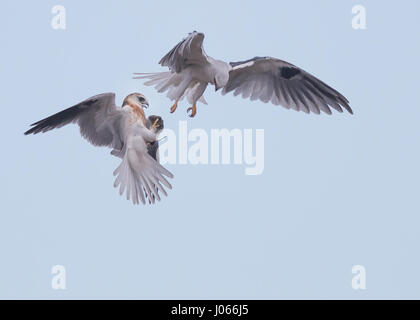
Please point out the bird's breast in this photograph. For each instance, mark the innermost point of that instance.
(137, 113)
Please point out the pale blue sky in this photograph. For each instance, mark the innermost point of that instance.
(336, 191)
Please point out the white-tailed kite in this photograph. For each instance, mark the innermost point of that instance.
(131, 136)
(263, 78)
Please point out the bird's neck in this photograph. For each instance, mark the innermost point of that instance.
(137, 110)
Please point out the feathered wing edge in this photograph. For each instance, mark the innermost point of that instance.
(59, 119)
(96, 117)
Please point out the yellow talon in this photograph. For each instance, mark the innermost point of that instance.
(155, 124)
(175, 105)
(193, 110)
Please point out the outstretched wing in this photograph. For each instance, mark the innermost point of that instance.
(187, 52)
(270, 79)
(98, 119)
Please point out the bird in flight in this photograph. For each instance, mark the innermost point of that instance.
(267, 79)
(132, 137)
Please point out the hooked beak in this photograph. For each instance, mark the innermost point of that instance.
(145, 105)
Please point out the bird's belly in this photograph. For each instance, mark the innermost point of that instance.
(202, 73)
(135, 127)
(135, 135)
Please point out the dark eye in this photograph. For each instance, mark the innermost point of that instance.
(141, 99)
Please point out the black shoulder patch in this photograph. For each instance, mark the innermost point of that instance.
(288, 72)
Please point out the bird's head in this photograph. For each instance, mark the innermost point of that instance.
(136, 99)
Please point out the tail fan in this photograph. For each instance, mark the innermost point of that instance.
(140, 176)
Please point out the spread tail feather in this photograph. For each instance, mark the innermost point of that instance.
(164, 81)
(141, 177)
(168, 81)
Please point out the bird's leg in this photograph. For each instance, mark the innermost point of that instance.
(193, 110)
(174, 106)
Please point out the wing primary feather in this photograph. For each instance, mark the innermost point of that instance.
(334, 96)
(56, 120)
(307, 100)
(290, 90)
(271, 79)
(301, 99)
